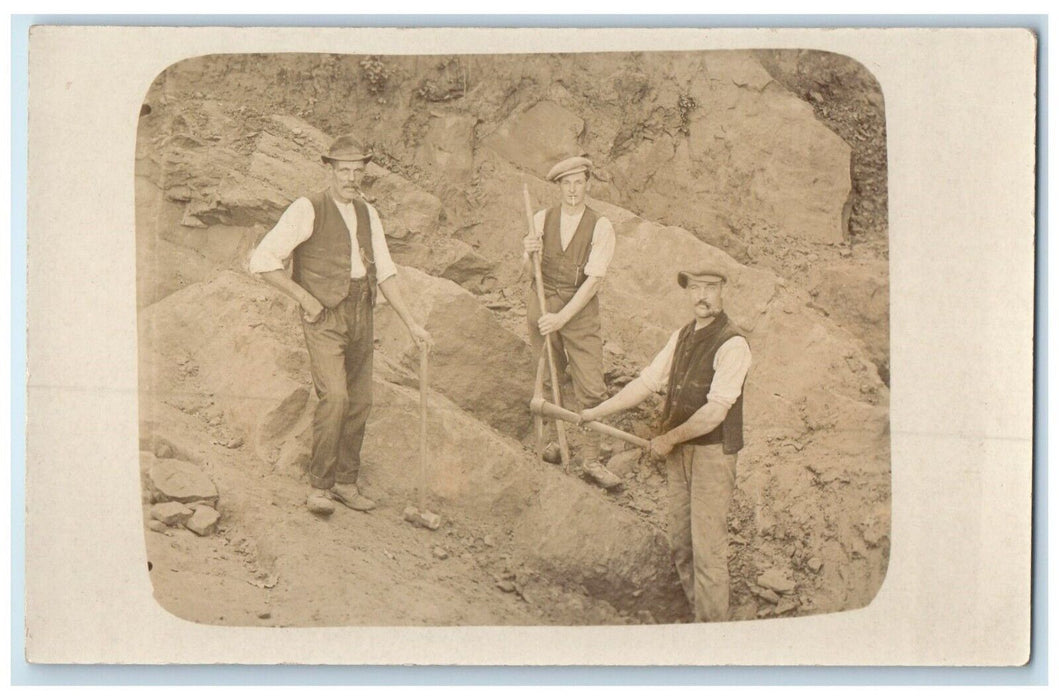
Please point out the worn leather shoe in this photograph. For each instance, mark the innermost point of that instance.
(601, 475)
(349, 496)
(319, 503)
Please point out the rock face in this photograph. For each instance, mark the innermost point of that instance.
(857, 297)
(642, 303)
(448, 146)
(405, 210)
(538, 138)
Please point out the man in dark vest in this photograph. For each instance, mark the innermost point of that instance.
(701, 371)
(338, 255)
(576, 245)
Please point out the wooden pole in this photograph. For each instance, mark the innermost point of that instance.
(424, 352)
(560, 429)
(538, 393)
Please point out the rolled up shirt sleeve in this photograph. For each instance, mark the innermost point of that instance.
(384, 267)
(730, 365)
(656, 375)
(602, 251)
(295, 225)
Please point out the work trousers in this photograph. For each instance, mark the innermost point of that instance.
(340, 346)
(700, 483)
(578, 349)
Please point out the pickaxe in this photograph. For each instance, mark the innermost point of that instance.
(540, 407)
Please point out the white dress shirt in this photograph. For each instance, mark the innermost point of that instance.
(730, 365)
(296, 225)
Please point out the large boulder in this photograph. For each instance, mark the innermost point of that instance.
(798, 169)
(485, 369)
(231, 346)
(631, 565)
(449, 258)
(406, 211)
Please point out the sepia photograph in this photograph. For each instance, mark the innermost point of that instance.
(555, 339)
(530, 347)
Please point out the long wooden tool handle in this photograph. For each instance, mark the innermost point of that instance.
(542, 407)
(424, 352)
(538, 393)
(560, 430)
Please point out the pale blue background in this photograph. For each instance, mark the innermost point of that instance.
(1035, 673)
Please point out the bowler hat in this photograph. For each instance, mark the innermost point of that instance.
(703, 271)
(347, 148)
(569, 166)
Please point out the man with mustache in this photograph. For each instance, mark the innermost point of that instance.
(576, 244)
(702, 371)
(338, 256)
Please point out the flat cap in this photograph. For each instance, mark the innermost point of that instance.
(347, 148)
(569, 166)
(711, 273)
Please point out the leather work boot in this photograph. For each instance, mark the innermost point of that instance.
(319, 502)
(349, 496)
(601, 475)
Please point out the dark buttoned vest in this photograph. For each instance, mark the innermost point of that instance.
(322, 263)
(690, 379)
(563, 271)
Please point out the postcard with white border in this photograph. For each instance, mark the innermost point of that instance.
(525, 346)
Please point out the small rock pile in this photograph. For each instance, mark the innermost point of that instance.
(181, 495)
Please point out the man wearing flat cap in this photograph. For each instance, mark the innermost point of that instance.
(701, 371)
(338, 255)
(576, 245)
